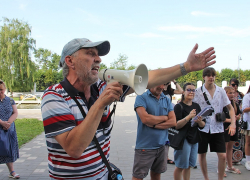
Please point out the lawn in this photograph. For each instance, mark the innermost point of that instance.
(27, 129)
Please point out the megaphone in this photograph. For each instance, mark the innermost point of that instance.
(137, 79)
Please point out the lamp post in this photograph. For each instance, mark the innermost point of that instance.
(239, 58)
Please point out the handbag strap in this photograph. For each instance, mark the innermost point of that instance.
(205, 96)
(113, 175)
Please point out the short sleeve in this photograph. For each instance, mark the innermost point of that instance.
(56, 114)
(178, 112)
(140, 102)
(12, 102)
(245, 102)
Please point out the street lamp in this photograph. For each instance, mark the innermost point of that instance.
(239, 58)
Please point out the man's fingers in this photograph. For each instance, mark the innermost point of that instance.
(209, 54)
(208, 50)
(195, 48)
(210, 63)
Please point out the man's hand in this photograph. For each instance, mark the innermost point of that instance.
(196, 62)
(111, 93)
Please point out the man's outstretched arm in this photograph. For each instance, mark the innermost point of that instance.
(195, 62)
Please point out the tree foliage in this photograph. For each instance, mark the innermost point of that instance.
(120, 63)
(47, 59)
(17, 68)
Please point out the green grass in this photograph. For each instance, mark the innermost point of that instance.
(18, 99)
(27, 129)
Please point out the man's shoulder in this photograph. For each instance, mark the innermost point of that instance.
(54, 89)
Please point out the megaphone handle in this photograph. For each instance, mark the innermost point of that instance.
(104, 75)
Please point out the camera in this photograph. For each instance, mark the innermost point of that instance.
(220, 117)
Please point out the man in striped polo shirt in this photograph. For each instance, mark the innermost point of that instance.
(71, 152)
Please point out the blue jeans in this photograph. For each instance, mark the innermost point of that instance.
(187, 156)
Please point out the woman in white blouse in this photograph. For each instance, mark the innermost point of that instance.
(246, 117)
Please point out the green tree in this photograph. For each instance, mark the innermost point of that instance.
(120, 63)
(131, 67)
(103, 66)
(226, 74)
(47, 59)
(17, 68)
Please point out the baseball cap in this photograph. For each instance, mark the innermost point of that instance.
(74, 45)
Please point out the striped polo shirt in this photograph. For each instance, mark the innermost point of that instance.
(60, 113)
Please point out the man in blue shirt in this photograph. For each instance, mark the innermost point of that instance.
(155, 115)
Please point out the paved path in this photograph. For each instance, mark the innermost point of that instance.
(32, 164)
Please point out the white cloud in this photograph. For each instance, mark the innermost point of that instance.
(89, 17)
(221, 30)
(149, 35)
(22, 6)
(200, 13)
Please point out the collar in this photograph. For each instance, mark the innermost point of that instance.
(3, 98)
(204, 89)
(69, 88)
(72, 91)
(161, 96)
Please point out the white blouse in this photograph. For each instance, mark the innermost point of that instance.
(246, 104)
(218, 101)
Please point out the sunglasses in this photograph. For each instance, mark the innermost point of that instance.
(234, 85)
(166, 84)
(190, 90)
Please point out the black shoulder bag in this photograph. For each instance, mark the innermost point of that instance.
(243, 124)
(177, 136)
(114, 172)
(220, 117)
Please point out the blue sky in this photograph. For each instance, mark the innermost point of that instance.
(158, 33)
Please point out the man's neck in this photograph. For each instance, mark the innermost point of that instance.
(209, 86)
(80, 86)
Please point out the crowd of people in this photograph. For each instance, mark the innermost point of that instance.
(76, 118)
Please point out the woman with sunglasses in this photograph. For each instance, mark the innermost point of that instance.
(184, 112)
(8, 114)
(238, 95)
(169, 91)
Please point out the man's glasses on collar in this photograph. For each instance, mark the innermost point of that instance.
(167, 84)
(234, 85)
(190, 90)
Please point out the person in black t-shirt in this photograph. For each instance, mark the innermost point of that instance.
(185, 111)
(169, 92)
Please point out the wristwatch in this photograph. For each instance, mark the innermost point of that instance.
(183, 69)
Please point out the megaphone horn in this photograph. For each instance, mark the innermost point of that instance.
(137, 79)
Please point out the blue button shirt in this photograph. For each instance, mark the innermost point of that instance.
(147, 137)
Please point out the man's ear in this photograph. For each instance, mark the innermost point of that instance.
(69, 62)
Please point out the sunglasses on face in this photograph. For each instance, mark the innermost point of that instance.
(190, 90)
(234, 85)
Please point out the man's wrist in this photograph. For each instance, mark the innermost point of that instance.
(183, 69)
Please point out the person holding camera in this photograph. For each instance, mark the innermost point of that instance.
(213, 132)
